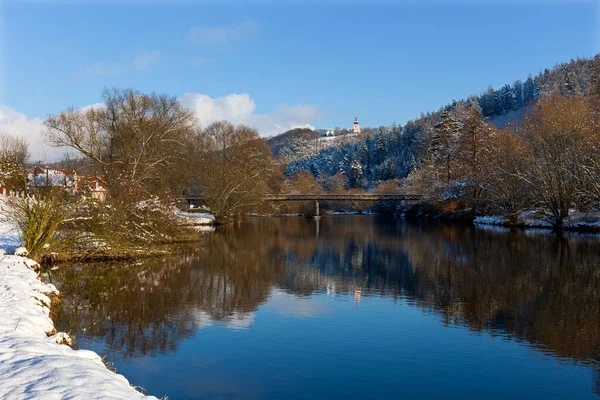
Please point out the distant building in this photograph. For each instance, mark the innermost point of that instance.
(95, 186)
(356, 128)
(339, 131)
(39, 177)
(45, 178)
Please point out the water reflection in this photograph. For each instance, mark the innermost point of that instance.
(536, 288)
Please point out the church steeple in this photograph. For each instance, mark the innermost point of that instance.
(356, 129)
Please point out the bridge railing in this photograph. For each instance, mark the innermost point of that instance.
(333, 197)
(341, 197)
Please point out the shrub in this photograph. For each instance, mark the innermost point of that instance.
(38, 218)
(120, 225)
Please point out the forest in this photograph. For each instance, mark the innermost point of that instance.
(531, 144)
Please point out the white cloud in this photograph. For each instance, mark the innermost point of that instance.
(31, 130)
(236, 108)
(139, 62)
(240, 109)
(213, 36)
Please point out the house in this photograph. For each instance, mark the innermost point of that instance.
(44, 178)
(94, 185)
(39, 178)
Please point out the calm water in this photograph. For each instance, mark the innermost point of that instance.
(356, 307)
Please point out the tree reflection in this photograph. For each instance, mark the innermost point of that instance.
(533, 287)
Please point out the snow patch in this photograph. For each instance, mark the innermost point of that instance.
(9, 231)
(579, 220)
(490, 220)
(21, 252)
(538, 219)
(194, 218)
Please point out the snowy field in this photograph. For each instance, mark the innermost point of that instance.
(33, 365)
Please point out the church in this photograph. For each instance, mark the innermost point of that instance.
(341, 132)
(356, 128)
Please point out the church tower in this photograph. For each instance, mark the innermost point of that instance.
(356, 129)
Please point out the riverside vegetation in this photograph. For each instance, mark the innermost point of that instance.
(527, 146)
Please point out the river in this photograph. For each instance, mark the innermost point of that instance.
(348, 307)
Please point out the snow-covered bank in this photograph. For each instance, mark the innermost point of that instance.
(195, 218)
(576, 221)
(34, 365)
(9, 231)
(366, 212)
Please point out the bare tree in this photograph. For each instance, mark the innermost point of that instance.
(588, 173)
(557, 128)
(235, 169)
(14, 147)
(503, 162)
(134, 140)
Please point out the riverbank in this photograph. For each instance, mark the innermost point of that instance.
(191, 225)
(529, 219)
(35, 360)
(533, 219)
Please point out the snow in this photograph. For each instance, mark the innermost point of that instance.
(204, 228)
(32, 363)
(350, 212)
(51, 177)
(21, 251)
(9, 231)
(493, 228)
(533, 219)
(578, 220)
(537, 219)
(195, 218)
(490, 220)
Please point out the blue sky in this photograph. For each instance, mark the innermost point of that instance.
(279, 64)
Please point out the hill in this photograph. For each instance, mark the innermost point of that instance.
(284, 140)
(392, 152)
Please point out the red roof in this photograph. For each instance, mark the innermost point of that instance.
(92, 181)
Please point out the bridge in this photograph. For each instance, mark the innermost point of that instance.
(341, 197)
(328, 197)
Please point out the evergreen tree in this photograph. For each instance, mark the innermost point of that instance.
(498, 102)
(507, 98)
(487, 102)
(444, 141)
(517, 93)
(595, 76)
(528, 91)
(356, 173)
(381, 146)
(569, 89)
